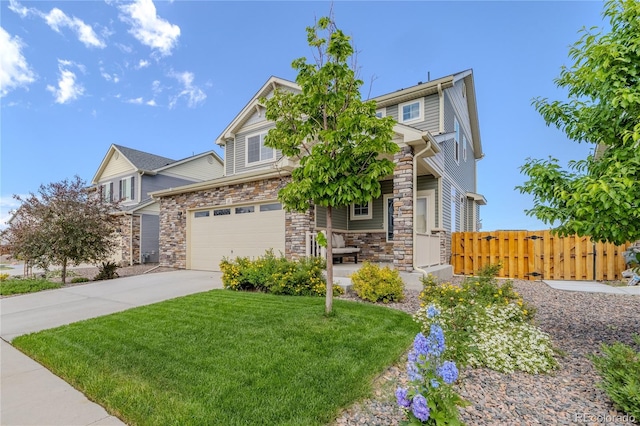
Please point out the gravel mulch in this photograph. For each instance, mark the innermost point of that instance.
(577, 322)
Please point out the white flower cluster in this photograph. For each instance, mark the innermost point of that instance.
(501, 338)
(505, 342)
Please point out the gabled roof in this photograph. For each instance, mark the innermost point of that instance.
(144, 161)
(250, 107)
(193, 157)
(139, 160)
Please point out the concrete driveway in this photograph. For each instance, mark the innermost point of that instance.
(32, 395)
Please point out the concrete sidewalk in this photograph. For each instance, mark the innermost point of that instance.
(592, 287)
(32, 395)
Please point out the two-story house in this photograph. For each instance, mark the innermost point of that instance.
(129, 175)
(431, 193)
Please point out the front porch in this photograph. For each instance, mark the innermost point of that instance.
(412, 280)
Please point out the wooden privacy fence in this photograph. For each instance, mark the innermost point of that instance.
(534, 255)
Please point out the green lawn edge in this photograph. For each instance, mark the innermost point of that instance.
(224, 357)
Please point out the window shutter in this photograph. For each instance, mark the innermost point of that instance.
(132, 188)
(110, 191)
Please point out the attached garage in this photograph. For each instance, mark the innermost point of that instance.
(233, 231)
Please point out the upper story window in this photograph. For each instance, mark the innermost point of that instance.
(381, 112)
(256, 151)
(106, 190)
(456, 145)
(410, 111)
(127, 191)
(361, 211)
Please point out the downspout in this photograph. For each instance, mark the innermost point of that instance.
(440, 109)
(415, 195)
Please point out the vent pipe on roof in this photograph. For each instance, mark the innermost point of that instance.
(428, 76)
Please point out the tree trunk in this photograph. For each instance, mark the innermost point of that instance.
(64, 271)
(329, 297)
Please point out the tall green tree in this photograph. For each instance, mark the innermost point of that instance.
(334, 134)
(64, 224)
(598, 196)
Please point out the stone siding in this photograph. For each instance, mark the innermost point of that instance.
(403, 210)
(373, 246)
(173, 215)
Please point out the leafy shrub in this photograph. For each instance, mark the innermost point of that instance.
(107, 271)
(488, 324)
(18, 285)
(276, 275)
(619, 367)
(79, 280)
(3, 277)
(377, 284)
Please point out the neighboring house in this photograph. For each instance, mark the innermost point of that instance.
(431, 193)
(129, 175)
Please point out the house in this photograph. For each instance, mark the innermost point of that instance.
(431, 193)
(129, 175)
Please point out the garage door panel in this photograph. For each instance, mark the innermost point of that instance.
(235, 235)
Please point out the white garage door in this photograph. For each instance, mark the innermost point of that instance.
(246, 231)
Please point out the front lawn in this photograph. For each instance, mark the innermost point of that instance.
(25, 285)
(227, 358)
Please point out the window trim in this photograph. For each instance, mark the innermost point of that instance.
(420, 116)
(368, 216)
(107, 191)
(430, 196)
(129, 194)
(262, 135)
(464, 148)
(382, 111)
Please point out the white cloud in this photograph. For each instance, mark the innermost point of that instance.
(14, 70)
(152, 102)
(149, 29)
(136, 101)
(107, 76)
(143, 64)
(68, 89)
(193, 94)
(57, 19)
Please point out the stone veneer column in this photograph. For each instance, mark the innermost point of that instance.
(296, 227)
(403, 210)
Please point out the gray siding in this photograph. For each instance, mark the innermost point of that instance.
(431, 116)
(239, 152)
(379, 210)
(150, 238)
(229, 156)
(339, 218)
(158, 182)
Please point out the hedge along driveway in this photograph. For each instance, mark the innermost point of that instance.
(227, 358)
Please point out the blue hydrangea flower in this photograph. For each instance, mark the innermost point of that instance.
(413, 356)
(432, 311)
(401, 397)
(435, 341)
(448, 371)
(435, 383)
(421, 345)
(413, 372)
(419, 408)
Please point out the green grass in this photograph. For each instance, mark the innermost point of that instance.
(227, 358)
(25, 285)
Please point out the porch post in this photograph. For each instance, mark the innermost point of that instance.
(403, 210)
(296, 227)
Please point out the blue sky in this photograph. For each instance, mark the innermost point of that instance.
(167, 77)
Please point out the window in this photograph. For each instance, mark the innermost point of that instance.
(421, 215)
(456, 145)
(107, 191)
(201, 214)
(270, 207)
(222, 212)
(361, 211)
(126, 189)
(381, 112)
(241, 210)
(256, 151)
(410, 111)
(388, 216)
(425, 211)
